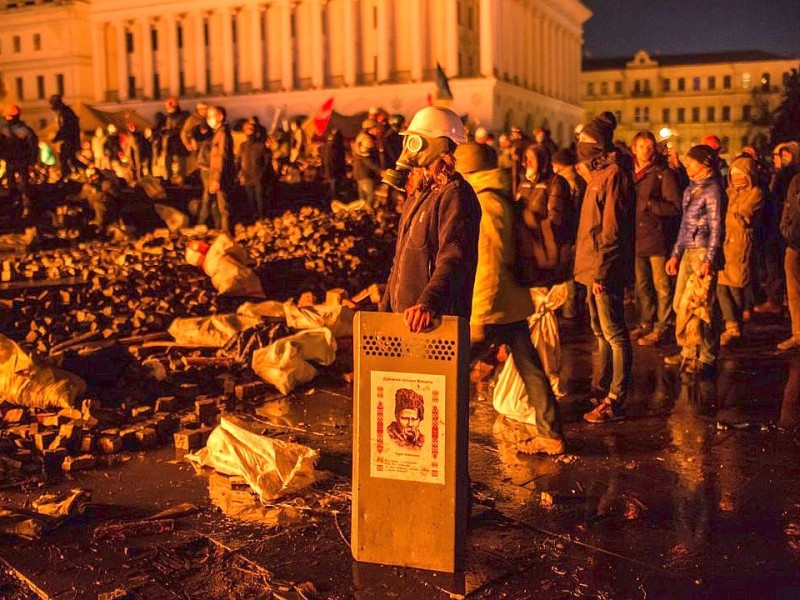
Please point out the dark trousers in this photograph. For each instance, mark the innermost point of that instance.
(540, 394)
(731, 303)
(255, 200)
(611, 370)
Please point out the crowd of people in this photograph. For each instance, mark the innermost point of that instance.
(697, 240)
(701, 244)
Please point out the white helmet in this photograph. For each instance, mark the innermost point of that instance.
(437, 121)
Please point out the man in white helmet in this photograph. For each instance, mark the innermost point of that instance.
(437, 241)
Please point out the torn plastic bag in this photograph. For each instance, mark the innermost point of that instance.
(50, 511)
(268, 308)
(242, 345)
(693, 310)
(26, 383)
(338, 207)
(175, 219)
(213, 331)
(223, 245)
(284, 363)
(271, 467)
(544, 330)
(337, 318)
(510, 398)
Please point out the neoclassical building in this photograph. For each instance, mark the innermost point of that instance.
(509, 62)
(727, 94)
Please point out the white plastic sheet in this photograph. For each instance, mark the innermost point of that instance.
(284, 363)
(226, 264)
(26, 383)
(213, 331)
(271, 467)
(544, 330)
(510, 398)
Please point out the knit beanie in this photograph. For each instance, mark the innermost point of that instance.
(703, 154)
(565, 156)
(601, 128)
(472, 157)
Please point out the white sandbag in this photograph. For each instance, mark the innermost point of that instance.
(543, 325)
(175, 219)
(284, 363)
(26, 383)
(223, 244)
(213, 331)
(233, 278)
(337, 206)
(270, 467)
(510, 398)
(337, 318)
(268, 308)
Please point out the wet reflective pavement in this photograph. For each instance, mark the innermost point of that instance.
(696, 494)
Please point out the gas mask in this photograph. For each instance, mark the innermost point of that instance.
(417, 152)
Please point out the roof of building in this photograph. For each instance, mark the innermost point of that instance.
(667, 60)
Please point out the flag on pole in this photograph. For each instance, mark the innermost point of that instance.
(442, 85)
(323, 116)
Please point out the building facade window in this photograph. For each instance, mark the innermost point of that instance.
(681, 84)
(646, 114)
(20, 88)
(681, 118)
(129, 42)
(617, 87)
(711, 114)
(695, 84)
(40, 87)
(37, 41)
(747, 112)
(746, 81)
(726, 113)
(665, 115)
(618, 115)
(665, 83)
(726, 82)
(696, 114)
(590, 89)
(60, 84)
(637, 115)
(604, 88)
(712, 83)
(637, 87)
(17, 44)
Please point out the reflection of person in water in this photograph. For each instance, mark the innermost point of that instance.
(409, 410)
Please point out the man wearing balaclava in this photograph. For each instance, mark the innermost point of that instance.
(696, 257)
(437, 241)
(604, 263)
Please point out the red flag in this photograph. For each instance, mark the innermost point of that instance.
(323, 116)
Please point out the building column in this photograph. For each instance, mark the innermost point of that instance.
(147, 57)
(538, 46)
(317, 48)
(350, 33)
(201, 83)
(451, 38)
(417, 41)
(487, 18)
(257, 57)
(227, 51)
(287, 46)
(384, 49)
(99, 60)
(171, 52)
(122, 60)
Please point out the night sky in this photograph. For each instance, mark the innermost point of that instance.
(621, 27)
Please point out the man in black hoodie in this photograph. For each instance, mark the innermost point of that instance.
(604, 262)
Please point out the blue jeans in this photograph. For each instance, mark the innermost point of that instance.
(654, 292)
(526, 359)
(611, 370)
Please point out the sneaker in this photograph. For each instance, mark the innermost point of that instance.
(768, 307)
(606, 412)
(789, 344)
(640, 330)
(593, 398)
(674, 360)
(542, 445)
(654, 338)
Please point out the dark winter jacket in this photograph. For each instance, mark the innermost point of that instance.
(366, 158)
(605, 245)
(202, 135)
(254, 162)
(69, 131)
(19, 144)
(790, 218)
(702, 223)
(222, 164)
(544, 235)
(437, 251)
(173, 124)
(658, 210)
